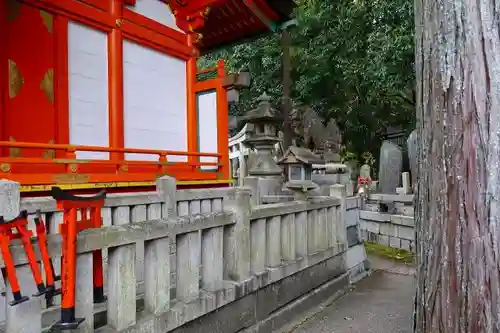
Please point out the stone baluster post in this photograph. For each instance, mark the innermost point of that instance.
(157, 275)
(122, 286)
(237, 237)
(339, 191)
(167, 190)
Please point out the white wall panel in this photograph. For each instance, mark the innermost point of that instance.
(207, 126)
(155, 101)
(157, 11)
(88, 89)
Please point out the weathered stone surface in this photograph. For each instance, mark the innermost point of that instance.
(412, 145)
(352, 236)
(196, 287)
(395, 242)
(391, 162)
(10, 198)
(365, 171)
(256, 307)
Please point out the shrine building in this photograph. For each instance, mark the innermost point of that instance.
(107, 93)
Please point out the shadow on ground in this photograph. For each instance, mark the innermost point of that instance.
(381, 303)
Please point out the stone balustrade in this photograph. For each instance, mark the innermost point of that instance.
(170, 267)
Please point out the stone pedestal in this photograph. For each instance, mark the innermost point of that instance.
(301, 189)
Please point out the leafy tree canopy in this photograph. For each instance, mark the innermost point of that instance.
(352, 60)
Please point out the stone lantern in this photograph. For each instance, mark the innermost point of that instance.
(263, 136)
(299, 162)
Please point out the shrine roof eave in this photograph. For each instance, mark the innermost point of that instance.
(230, 22)
(206, 49)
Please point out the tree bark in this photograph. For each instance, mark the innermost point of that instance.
(286, 105)
(458, 196)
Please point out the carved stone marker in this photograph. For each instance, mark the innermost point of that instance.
(365, 171)
(412, 145)
(9, 199)
(391, 162)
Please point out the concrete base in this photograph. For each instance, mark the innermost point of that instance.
(273, 306)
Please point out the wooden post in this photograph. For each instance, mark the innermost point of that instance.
(192, 117)
(115, 70)
(458, 205)
(222, 122)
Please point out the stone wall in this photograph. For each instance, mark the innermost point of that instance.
(393, 226)
(207, 262)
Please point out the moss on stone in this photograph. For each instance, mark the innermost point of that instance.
(384, 251)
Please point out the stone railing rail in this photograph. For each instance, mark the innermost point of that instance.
(124, 208)
(401, 204)
(192, 265)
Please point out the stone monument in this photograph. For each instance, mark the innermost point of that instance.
(265, 175)
(365, 171)
(391, 162)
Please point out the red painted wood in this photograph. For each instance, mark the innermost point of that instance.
(30, 116)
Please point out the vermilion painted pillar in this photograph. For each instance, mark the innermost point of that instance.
(222, 122)
(192, 114)
(3, 71)
(115, 71)
(61, 96)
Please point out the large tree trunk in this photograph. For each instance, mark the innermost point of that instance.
(458, 205)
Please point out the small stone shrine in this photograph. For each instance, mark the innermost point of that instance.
(298, 162)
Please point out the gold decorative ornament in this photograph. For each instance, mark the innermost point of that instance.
(13, 9)
(205, 13)
(124, 168)
(199, 37)
(14, 152)
(5, 167)
(73, 168)
(47, 85)
(48, 20)
(16, 80)
(71, 179)
(50, 153)
(118, 23)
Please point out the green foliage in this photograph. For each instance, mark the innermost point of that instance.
(352, 60)
(368, 158)
(383, 251)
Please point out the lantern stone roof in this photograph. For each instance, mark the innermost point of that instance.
(300, 155)
(263, 113)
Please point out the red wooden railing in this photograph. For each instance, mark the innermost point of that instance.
(29, 166)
